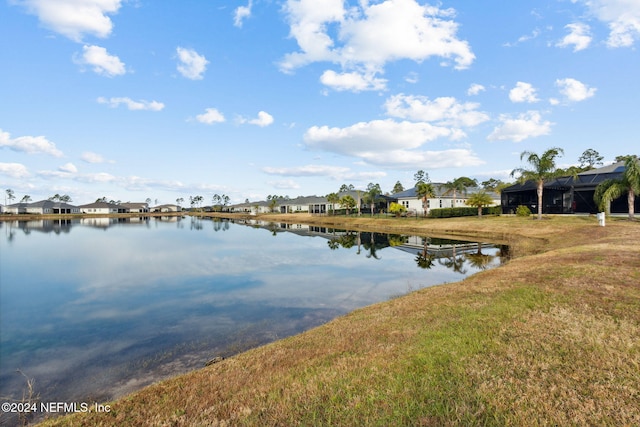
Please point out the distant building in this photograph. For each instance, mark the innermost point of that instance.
(136, 207)
(102, 208)
(42, 207)
(442, 198)
(166, 208)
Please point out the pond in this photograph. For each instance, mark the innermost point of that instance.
(92, 309)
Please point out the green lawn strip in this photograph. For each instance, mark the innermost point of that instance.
(427, 383)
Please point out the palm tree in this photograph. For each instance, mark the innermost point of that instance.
(25, 199)
(459, 185)
(272, 203)
(371, 196)
(9, 194)
(543, 168)
(629, 182)
(348, 202)
(424, 190)
(478, 200)
(334, 199)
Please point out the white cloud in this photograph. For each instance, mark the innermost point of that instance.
(412, 78)
(68, 168)
(353, 81)
(102, 62)
(29, 144)
(131, 104)
(388, 143)
(284, 185)
(307, 170)
(377, 135)
(91, 157)
(622, 17)
(263, 119)
(412, 160)
(368, 36)
(336, 173)
(445, 111)
(574, 90)
(523, 92)
(74, 18)
(191, 65)
(14, 170)
(210, 116)
(534, 34)
(578, 37)
(96, 177)
(525, 125)
(241, 13)
(475, 89)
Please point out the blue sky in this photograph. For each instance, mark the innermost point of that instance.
(136, 99)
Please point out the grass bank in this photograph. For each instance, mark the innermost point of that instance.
(550, 338)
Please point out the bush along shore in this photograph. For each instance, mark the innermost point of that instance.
(550, 338)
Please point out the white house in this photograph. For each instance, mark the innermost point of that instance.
(102, 208)
(136, 207)
(443, 198)
(42, 207)
(166, 208)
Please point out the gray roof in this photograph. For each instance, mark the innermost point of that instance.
(43, 204)
(135, 205)
(612, 168)
(101, 205)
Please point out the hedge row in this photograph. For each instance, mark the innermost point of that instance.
(470, 211)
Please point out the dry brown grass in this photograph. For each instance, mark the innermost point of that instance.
(550, 338)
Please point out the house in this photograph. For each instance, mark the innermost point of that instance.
(442, 198)
(102, 208)
(166, 208)
(322, 206)
(136, 207)
(51, 207)
(16, 208)
(42, 207)
(568, 194)
(317, 205)
(302, 204)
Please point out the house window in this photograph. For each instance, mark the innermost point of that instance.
(440, 202)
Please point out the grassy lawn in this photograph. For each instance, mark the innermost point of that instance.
(550, 338)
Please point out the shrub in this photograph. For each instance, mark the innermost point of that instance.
(456, 212)
(397, 209)
(523, 211)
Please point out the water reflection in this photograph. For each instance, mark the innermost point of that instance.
(99, 307)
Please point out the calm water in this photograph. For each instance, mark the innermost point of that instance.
(95, 309)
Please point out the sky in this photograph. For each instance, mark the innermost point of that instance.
(140, 99)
